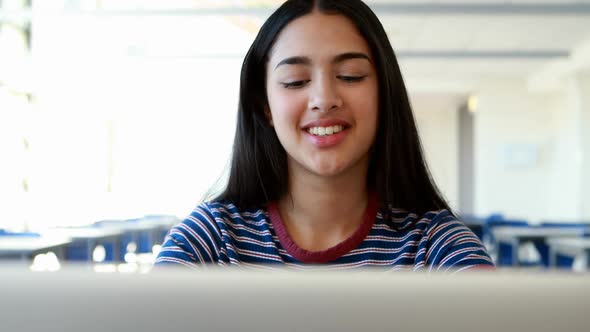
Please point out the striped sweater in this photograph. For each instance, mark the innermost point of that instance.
(219, 233)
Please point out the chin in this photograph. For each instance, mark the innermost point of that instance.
(328, 170)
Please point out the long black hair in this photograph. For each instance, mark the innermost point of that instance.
(397, 169)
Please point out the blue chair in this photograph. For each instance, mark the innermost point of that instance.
(125, 239)
(504, 251)
(543, 248)
(144, 239)
(78, 251)
(564, 262)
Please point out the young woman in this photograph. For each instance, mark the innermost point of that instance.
(327, 166)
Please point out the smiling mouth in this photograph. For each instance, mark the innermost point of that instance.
(325, 131)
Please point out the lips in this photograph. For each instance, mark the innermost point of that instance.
(322, 131)
(326, 123)
(326, 141)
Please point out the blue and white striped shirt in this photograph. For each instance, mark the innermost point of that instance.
(221, 234)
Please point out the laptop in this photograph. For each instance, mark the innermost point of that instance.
(238, 300)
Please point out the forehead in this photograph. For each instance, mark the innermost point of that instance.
(318, 36)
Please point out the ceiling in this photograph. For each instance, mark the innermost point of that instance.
(457, 43)
(441, 44)
(449, 44)
(482, 40)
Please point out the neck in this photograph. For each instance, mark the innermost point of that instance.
(335, 204)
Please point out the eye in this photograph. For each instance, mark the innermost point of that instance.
(351, 79)
(294, 84)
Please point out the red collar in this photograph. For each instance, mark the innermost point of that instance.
(330, 254)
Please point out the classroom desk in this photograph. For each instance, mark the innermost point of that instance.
(517, 235)
(25, 248)
(569, 247)
(92, 235)
(161, 226)
(144, 235)
(152, 228)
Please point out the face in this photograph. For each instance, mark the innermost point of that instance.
(323, 95)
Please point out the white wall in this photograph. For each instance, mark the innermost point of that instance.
(531, 148)
(572, 162)
(437, 120)
(582, 79)
(515, 138)
(130, 117)
(564, 182)
(169, 127)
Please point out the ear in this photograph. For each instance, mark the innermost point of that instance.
(268, 115)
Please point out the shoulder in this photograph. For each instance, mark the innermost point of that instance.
(441, 222)
(426, 223)
(201, 237)
(218, 216)
(230, 212)
(444, 240)
(438, 228)
(228, 216)
(451, 244)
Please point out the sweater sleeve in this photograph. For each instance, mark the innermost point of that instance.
(196, 240)
(453, 246)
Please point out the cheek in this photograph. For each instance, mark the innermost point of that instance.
(366, 105)
(372, 106)
(285, 108)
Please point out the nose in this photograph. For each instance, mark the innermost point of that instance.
(324, 96)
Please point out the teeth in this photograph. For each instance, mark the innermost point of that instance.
(323, 131)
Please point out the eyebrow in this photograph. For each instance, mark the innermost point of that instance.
(303, 60)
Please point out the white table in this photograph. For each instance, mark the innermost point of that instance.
(25, 248)
(84, 233)
(515, 235)
(569, 247)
